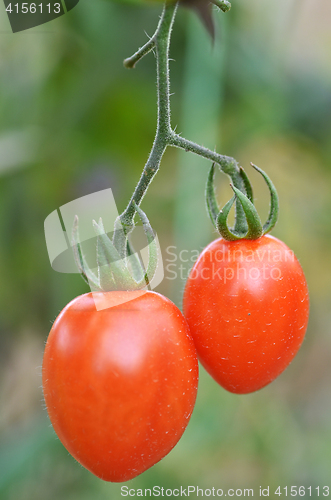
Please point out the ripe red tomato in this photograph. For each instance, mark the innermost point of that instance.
(120, 383)
(246, 303)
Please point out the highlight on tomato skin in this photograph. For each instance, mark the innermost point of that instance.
(120, 383)
(247, 306)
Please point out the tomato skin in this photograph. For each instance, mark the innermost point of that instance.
(247, 306)
(120, 383)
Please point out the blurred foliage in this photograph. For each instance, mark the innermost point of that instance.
(73, 121)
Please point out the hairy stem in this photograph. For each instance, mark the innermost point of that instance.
(227, 164)
(130, 62)
(165, 136)
(161, 41)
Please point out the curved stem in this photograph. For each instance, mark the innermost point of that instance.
(227, 164)
(164, 134)
(161, 41)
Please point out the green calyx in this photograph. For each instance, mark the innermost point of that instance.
(253, 228)
(117, 268)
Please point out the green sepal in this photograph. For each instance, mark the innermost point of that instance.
(255, 229)
(211, 201)
(88, 275)
(105, 274)
(120, 237)
(274, 202)
(222, 225)
(253, 220)
(152, 247)
(113, 272)
(134, 261)
(247, 184)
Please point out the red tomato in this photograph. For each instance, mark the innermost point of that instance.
(120, 383)
(246, 303)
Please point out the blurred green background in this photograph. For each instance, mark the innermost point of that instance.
(73, 121)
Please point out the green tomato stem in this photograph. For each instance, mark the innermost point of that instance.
(130, 62)
(165, 136)
(227, 164)
(161, 41)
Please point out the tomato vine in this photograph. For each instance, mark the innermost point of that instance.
(165, 135)
(247, 222)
